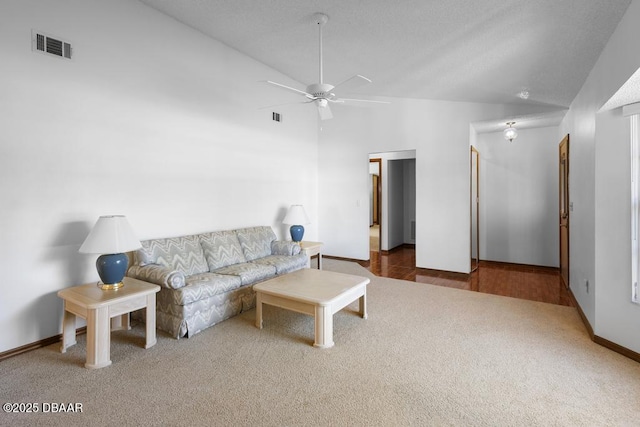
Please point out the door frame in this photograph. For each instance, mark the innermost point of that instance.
(477, 203)
(564, 208)
(378, 193)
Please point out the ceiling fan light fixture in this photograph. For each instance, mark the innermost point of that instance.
(510, 133)
(322, 103)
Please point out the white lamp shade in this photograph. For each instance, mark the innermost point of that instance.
(111, 235)
(296, 216)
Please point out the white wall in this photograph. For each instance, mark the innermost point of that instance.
(614, 310)
(150, 119)
(395, 204)
(409, 200)
(401, 205)
(439, 132)
(519, 197)
(599, 189)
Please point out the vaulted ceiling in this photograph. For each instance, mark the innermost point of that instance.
(459, 50)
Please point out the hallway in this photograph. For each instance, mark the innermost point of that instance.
(512, 280)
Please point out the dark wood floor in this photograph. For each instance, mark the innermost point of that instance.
(512, 280)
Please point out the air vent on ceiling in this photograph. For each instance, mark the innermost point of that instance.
(45, 43)
(277, 117)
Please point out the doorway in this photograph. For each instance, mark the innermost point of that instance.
(564, 208)
(393, 201)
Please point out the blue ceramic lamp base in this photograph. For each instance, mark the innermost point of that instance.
(111, 269)
(297, 231)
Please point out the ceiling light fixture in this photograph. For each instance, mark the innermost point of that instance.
(510, 133)
(523, 94)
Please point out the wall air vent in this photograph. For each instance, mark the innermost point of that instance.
(277, 117)
(44, 43)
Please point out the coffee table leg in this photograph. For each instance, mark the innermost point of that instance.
(363, 305)
(323, 327)
(98, 338)
(258, 310)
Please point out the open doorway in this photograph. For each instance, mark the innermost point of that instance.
(392, 200)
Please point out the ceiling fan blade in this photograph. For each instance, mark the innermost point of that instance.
(357, 76)
(325, 112)
(286, 103)
(301, 92)
(342, 100)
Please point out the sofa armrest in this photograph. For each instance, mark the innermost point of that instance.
(157, 274)
(282, 247)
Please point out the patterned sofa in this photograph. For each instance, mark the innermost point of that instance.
(206, 278)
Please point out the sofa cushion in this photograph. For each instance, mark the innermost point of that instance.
(256, 241)
(221, 248)
(179, 253)
(284, 263)
(249, 272)
(204, 285)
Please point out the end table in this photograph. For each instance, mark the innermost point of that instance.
(98, 306)
(312, 249)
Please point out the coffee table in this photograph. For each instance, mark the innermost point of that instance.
(318, 293)
(98, 307)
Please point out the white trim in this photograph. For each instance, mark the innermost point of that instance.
(634, 121)
(631, 109)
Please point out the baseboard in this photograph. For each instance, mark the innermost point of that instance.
(582, 315)
(517, 266)
(399, 247)
(603, 341)
(443, 274)
(38, 344)
(339, 258)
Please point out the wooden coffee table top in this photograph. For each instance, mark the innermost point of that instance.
(318, 287)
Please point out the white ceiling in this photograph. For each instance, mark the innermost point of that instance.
(458, 50)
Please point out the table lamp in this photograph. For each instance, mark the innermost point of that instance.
(296, 216)
(111, 236)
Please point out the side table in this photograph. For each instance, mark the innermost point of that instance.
(98, 306)
(312, 249)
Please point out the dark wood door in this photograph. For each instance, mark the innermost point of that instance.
(564, 209)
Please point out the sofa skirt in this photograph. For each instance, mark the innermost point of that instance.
(187, 320)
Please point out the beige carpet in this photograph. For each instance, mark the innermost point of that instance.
(426, 355)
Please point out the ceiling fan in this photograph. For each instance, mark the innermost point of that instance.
(322, 93)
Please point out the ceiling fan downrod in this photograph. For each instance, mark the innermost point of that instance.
(320, 19)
